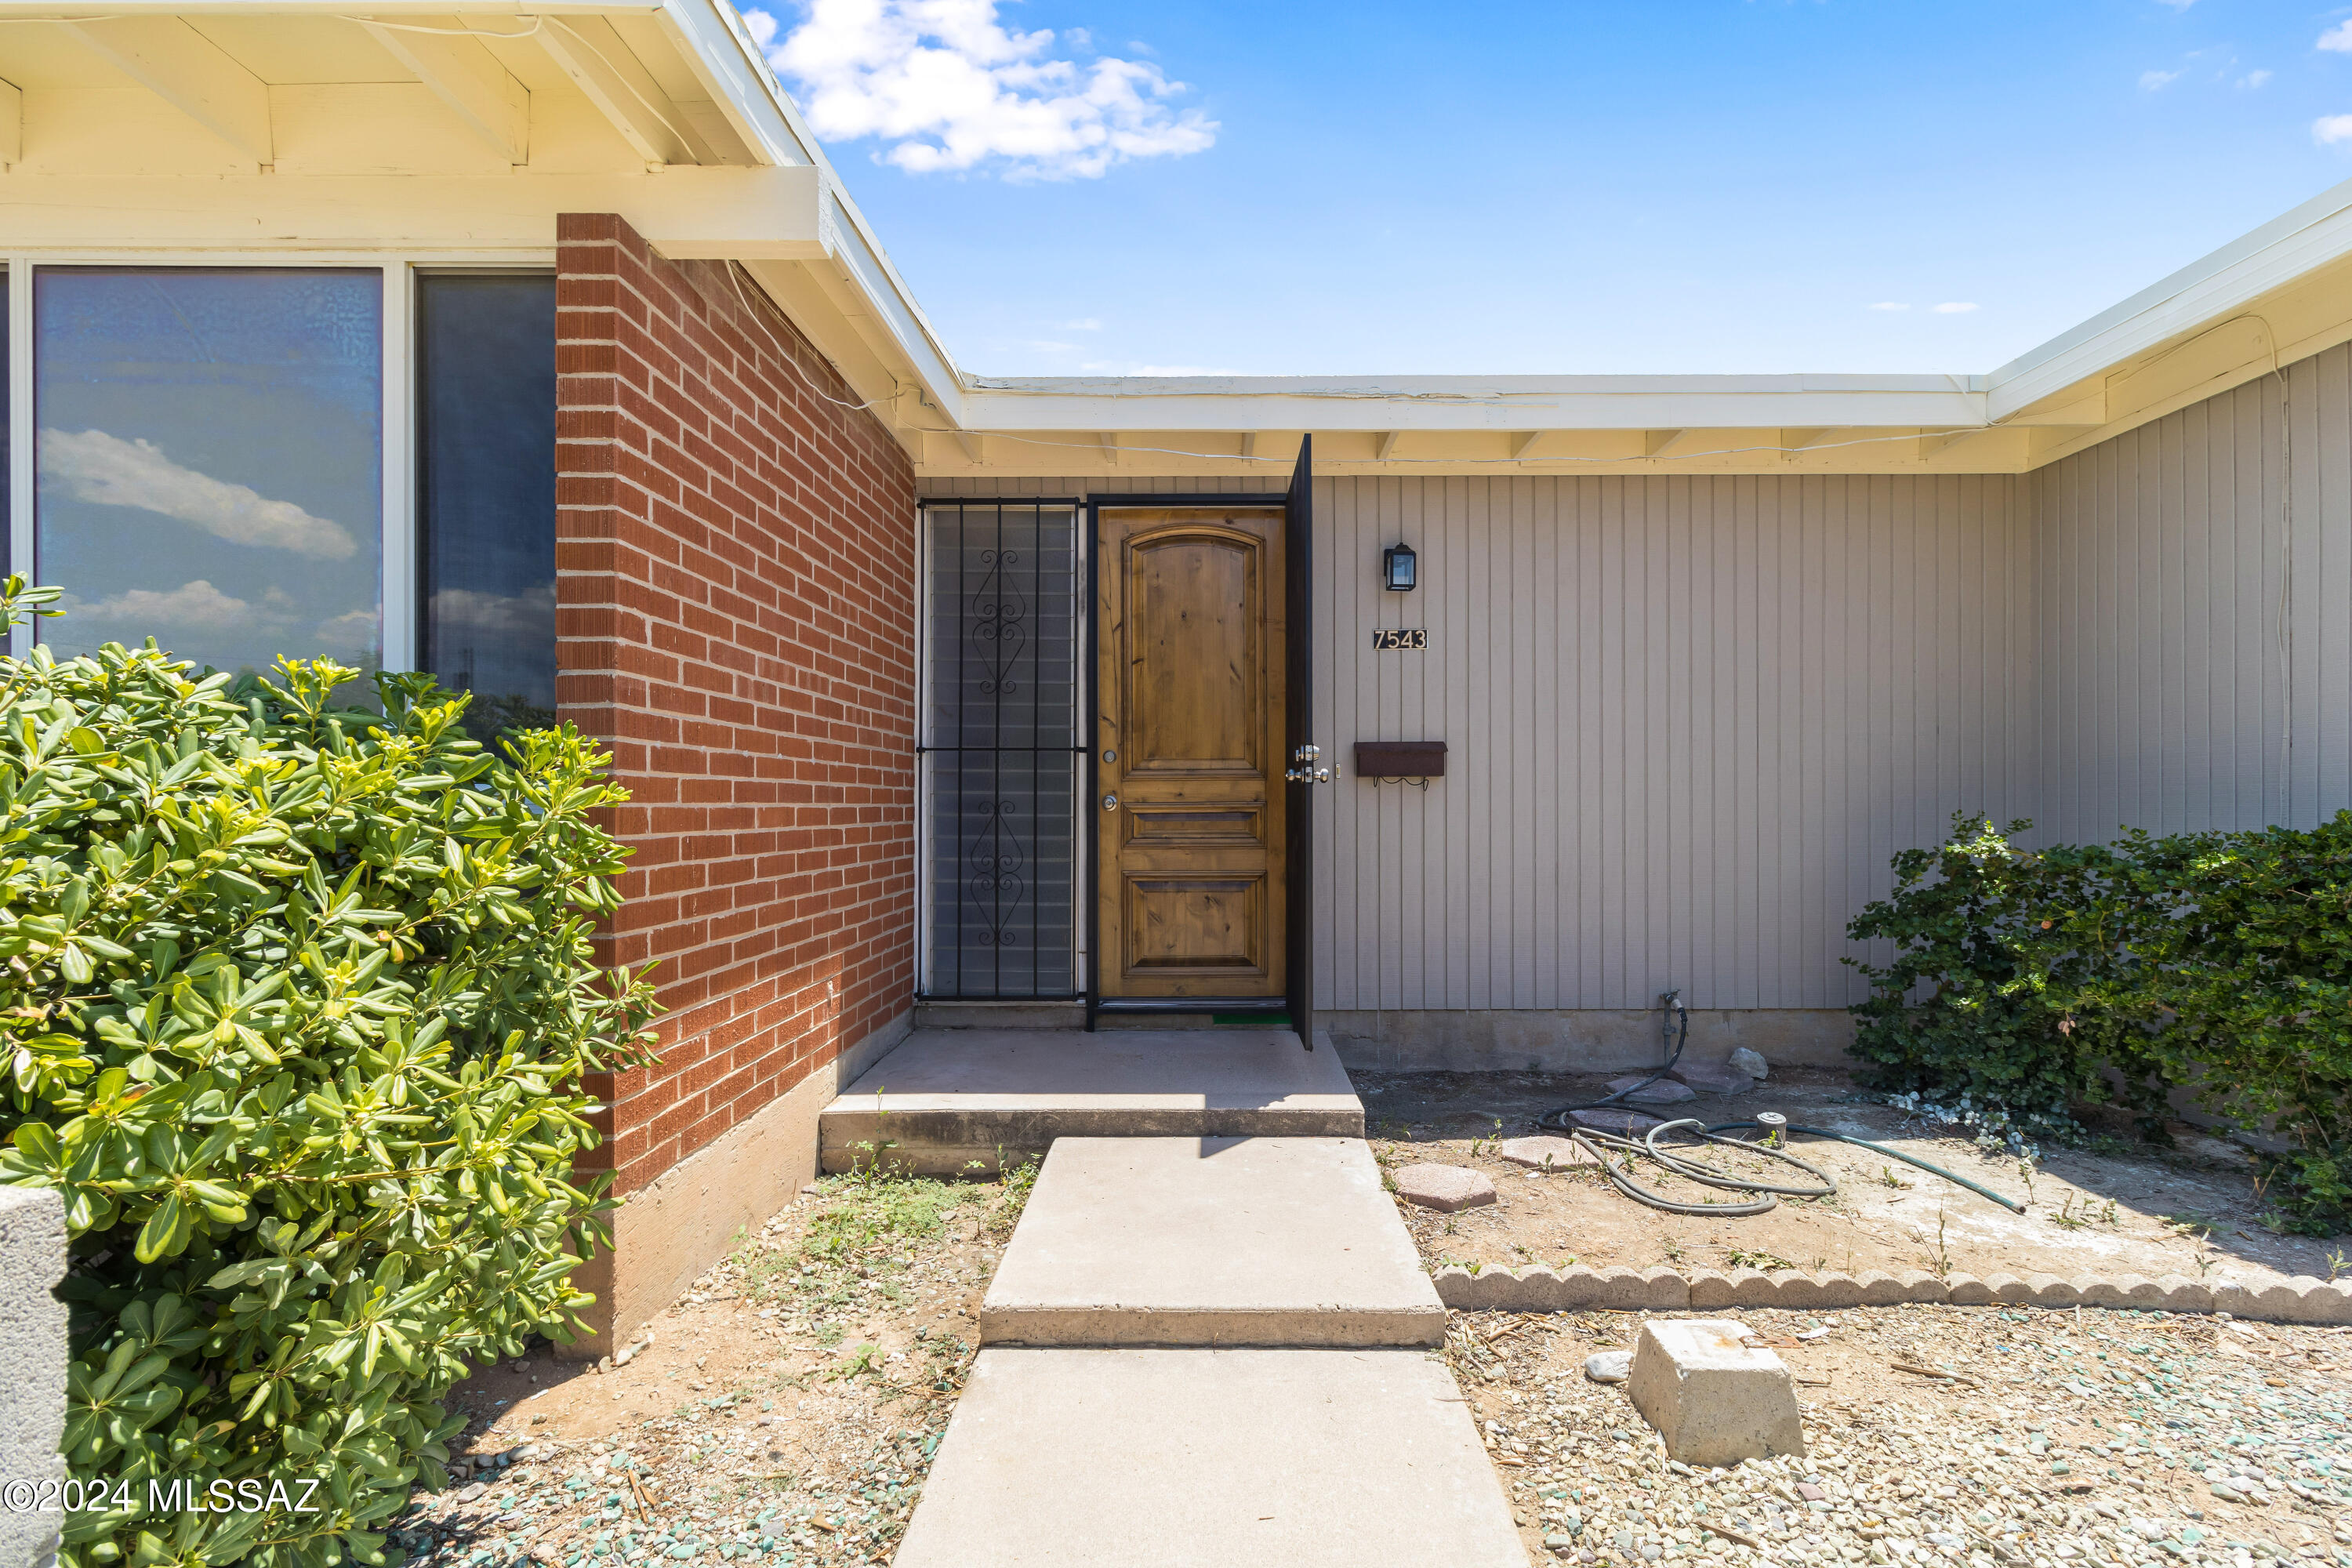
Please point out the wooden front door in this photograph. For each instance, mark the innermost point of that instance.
(1190, 762)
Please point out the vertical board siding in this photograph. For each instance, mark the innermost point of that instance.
(1689, 721)
(2194, 647)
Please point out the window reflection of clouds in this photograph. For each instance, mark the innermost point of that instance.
(211, 460)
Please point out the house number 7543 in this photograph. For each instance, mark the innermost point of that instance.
(1392, 637)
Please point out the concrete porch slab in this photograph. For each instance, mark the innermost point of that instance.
(1210, 1241)
(1211, 1458)
(948, 1099)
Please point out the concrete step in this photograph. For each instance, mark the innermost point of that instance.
(1211, 1458)
(948, 1101)
(1210, 1241)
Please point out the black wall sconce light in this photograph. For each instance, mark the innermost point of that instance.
(1399, 569)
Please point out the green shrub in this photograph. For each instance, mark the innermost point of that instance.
(2219, 963)
(296, 1004)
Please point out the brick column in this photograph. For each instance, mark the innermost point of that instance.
(735, 620)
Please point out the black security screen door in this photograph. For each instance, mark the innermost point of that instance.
(1298, 579)
(999, 750)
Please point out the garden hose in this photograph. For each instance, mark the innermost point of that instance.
(1672, 1001)
(1826, 1189)
(2010, 1204)
(1600, 1143)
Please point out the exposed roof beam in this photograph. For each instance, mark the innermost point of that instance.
(12, 124)
(1109, 443)
(1249, 443)
(1524, 442)
(1795, 441)
(1388, 444)
(462, 74)
(183, 68)
(600, 66)
(1665, 443)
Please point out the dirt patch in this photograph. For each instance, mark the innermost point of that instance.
(786, 1410)
(2191, 1210)
(2062, 1438)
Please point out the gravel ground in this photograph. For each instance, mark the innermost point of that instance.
(2068, 1438)
(786, 1411)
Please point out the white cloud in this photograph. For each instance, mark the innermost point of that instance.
(2153, 82)
(1890, 305)
(351, 630)
(530, 613)
(2338, 38)
(196, 606)
(2330, 129)
(1954, 307)
(2254, 79)
(949, 88)
(1084, 324)
(107, 470)
(2178, 5)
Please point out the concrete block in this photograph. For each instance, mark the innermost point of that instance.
(1715, 1079)
(1210, 1241)
(32, 1367)
(1545, 1153)
(1457, 1287)
(1117, 1458)
(2182, 1294)
(1666, 1091)
(1624, 1123)
(1968, 1290)
(1819, 1292)
(1710, 1288)
(2302, 1300)
(1753, 1288)
(1715, 1399)
(2049, 1290)
(1918, 1284)
(1445, 1188)
(1883, 1289)
(1666, 1289)
(2126, 1291)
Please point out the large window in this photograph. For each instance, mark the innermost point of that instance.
(486, 492)
(209, 460)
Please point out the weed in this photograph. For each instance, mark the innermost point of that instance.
(1770, 1263)
(1937, 1255)
(2025, 1174)
(2066, 1218)
(2190, 1223)
(865, 1358)
(1887, 1178)
(1673, 1247)
(1485, 1145)
(2337, 1264)
(2109, 1217)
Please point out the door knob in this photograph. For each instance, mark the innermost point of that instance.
(1110, 803)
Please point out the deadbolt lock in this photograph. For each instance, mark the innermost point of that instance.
(1305, 766)
(1110, 803)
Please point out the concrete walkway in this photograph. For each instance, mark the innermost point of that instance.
(1158, 1408)
(948, 1101)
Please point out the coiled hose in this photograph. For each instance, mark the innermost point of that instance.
(1600, 1143)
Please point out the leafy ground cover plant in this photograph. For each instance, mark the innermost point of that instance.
(295, 1007)
(2212, 966)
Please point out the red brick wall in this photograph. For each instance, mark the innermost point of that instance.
(735, 618)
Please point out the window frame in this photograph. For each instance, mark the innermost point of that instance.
(401, 606)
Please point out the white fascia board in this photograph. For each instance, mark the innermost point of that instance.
(52, 10)
(2206, 289)
(1470, 402)
(723, 52)
(753, 214)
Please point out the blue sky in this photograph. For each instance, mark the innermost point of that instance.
(1719, 186)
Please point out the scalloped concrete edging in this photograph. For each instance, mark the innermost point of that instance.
(1541, 1288)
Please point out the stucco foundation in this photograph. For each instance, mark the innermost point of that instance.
(682, 1221)
(1579, 1040)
